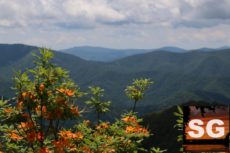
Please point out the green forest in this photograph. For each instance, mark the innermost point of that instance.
(48, 96)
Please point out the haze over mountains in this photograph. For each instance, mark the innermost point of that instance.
(102, 54)
(178, 77)
(109, 54)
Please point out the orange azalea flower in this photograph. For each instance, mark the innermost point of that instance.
(44, 150)
(15, 136)
(102, 126)
(19, 105)
(130, 129)
(27, 95)
(110, 150)
(31, 136)
(38, 109)
(28, 124)
(44, 110)
(129, 119)
(61, 90)
(24, 95)
(42, 87)
(40, 136)
(74, 110)
(25, 115)
(143, 130)
(69, 92)
(60, 145)
(66, 134)
(85, 149)
(70, 135)
(78, 135)
(22, 125)
(8, 110)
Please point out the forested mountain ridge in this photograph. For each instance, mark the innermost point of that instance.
(178, 77)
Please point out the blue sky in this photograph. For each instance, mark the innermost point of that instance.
(62, 24)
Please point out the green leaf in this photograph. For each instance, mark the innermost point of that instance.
(180, 109)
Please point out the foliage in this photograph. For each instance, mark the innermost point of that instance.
(96, 102)
(45, 98)
(179, 77)
(157, 150)
(136, 90)
(179, 124)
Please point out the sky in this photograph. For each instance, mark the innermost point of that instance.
(60, 24)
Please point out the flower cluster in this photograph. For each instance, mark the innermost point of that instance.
(134, 126)
(45, 100)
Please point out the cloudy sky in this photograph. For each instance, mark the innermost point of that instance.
(61, 24)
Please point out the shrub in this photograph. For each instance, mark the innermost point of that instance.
(45, 98)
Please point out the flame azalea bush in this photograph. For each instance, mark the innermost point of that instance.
(46, 98)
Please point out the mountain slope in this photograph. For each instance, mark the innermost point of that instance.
(178, 77)
(108, 54)
(172, 49)
(18, 57)
(13, 53)
(102, 54)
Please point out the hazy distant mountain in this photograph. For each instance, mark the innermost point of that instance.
(172, 49)
(213, 49)
(102, 54)
(178, 77)
(204, 49)
(224, 47)
(108, 54)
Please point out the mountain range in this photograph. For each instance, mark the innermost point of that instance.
(102, 54)
(178, 77)
(108, 54)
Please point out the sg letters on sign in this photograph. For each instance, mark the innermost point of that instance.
(206, 128)
(196, 124)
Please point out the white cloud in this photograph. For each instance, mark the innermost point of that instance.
(57, 12)
(115, 23)
(90, 13)
(85, 12)
(94, 11)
